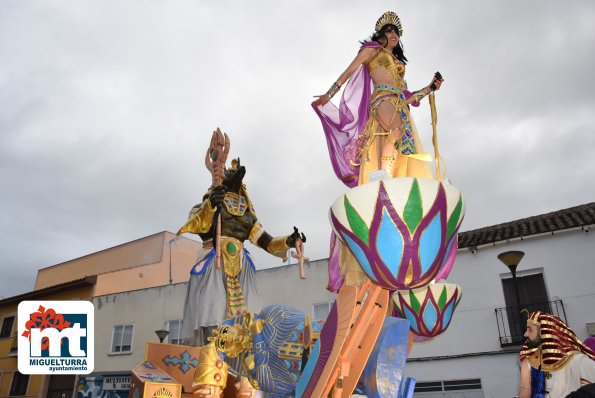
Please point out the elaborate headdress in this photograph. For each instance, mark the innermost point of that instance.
(389, 18)
(558, 343)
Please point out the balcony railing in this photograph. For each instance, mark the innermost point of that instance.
(511, 326)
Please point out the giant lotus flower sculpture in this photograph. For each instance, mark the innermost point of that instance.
(401, 230)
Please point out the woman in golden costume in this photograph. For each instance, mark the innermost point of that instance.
(373, 129)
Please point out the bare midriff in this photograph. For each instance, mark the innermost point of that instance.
(386, 70)
(382, 76)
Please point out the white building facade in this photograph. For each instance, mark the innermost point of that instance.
(557, 273)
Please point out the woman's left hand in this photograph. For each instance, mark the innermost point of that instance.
(436, 83)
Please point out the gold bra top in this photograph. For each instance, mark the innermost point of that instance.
(387, 61)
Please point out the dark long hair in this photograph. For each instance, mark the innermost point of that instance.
(398, 51)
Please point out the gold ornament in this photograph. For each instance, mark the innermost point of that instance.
(232, 340)
(210, 376)
(389, 18)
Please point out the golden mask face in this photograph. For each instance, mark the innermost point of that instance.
(232, 340)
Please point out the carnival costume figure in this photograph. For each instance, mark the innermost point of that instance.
(373, 128)
(215, 294)
(554, 363)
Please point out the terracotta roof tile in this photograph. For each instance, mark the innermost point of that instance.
(573, 217)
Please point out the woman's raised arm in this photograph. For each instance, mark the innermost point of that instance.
(362, 57)
(415, 97)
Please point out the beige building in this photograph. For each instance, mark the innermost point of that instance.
(156, 260)
(161, 259)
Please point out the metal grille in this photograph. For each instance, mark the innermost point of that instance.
(448, 385)
(511, 326)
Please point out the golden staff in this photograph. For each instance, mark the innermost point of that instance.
(215, 162)
(432, 100)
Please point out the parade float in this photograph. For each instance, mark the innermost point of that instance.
(394, 243)
(401, 232)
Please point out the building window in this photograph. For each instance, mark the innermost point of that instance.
(19, 384)
(431, 387)
(320, 311)
(7, 324)
(122, 339)
(533, 296)
(174, 328)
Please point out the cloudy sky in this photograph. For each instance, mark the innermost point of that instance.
(107, 107)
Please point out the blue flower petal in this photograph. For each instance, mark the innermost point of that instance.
(448, 312)
(430, 315)
(390, 243)
(429, 243)
(411, 318)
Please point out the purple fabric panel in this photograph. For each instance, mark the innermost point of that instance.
(343, 125)
(335, 280)
(326, 340)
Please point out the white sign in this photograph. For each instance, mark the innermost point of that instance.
(116, 383)
(56, 337)
(378, 175)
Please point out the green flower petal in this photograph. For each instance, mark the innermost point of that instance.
(442, 299)
(413, 210)
(356, 223)
(414, 302)
(454, 218)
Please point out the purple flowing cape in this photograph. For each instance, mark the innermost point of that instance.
(343, 125)
(335, 279)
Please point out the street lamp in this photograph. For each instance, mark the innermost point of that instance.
(162, 334)
(512, 259)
